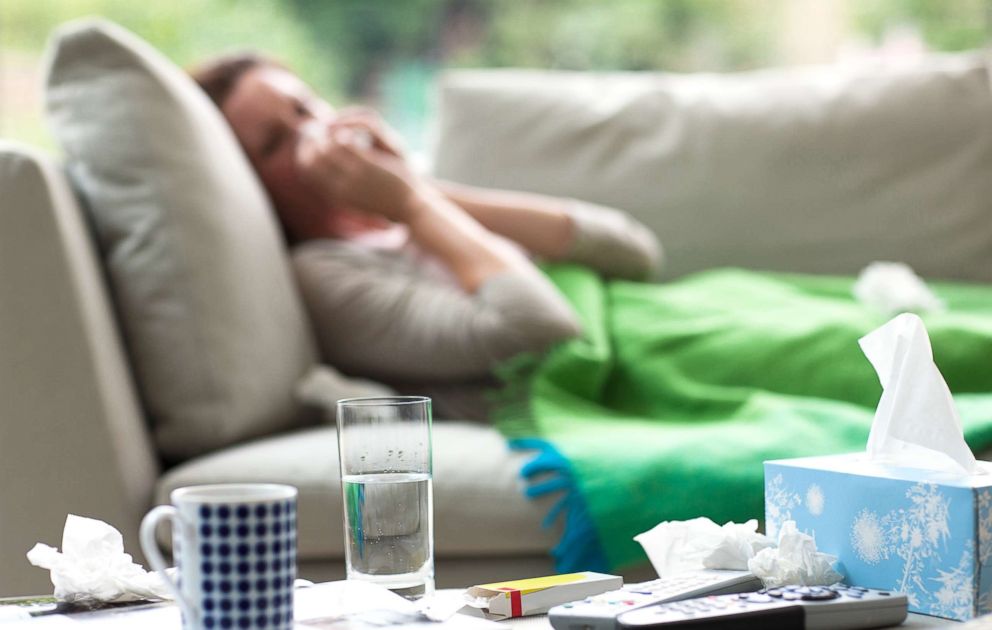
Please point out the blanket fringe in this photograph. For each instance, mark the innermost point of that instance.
(550, 472)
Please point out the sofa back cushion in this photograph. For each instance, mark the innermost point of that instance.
(216, 331)
(809, 170)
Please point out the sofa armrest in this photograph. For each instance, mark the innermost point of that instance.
(72, 435)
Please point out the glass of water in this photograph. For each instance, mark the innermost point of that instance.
(385, 452)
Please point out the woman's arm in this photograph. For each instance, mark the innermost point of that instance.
(381, 316)
(606, 239)
(380, 182)
(376, 315)
(552, 228)
(541, 224)
(470, 251)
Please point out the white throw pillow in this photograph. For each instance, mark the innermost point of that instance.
(216, 331)
(818, 170)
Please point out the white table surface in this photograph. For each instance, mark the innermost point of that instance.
(166, 617)
(540, 622)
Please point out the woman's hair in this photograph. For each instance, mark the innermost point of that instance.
(219, 75)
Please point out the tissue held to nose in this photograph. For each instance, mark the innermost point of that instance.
(93, 567)
(317, 132)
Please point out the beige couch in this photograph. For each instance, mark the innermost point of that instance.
(97, 408)
(814, 170)
(74, 439)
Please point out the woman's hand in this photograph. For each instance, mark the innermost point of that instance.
(347, 172)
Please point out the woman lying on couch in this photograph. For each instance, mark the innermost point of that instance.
(673, 395)
(410, 281)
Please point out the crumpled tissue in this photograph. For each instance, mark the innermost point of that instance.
(794, 561)
(678, 546)
(93, 567)
(916, 424)
(892, 287)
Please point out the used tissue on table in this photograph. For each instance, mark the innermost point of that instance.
(794, 561)
(92, 566)
(678, 546)
(914, 512)
(675, 547)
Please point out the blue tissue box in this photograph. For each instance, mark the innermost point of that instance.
(924, 533)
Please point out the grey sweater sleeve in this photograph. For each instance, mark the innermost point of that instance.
(378, 315)
(613, 242)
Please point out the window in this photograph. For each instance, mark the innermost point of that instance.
(385, 53)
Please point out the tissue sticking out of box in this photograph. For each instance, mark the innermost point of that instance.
(892, 287)
(93, 567)
(680, 546)
(794, 561)
(916, 424)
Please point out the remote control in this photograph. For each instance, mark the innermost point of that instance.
(836, 607)
(600, 612)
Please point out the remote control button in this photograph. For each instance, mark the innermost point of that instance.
(774, 592)
(883, 593)
(859, 588)
(743, 595)
(820, 595)
(855, 594)
(791, 596)
(757, 598)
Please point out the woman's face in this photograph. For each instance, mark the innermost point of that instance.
(267, 109)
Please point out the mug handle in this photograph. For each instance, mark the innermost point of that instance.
(149, 545)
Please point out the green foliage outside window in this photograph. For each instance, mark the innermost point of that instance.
(387, 52)
(945, 24)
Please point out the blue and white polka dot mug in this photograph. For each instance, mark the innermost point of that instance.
(235, 549)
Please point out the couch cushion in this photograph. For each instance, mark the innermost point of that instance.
(216, 331)
(479, 506)
(814, 170)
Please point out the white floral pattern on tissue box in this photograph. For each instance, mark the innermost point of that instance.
(923, 533)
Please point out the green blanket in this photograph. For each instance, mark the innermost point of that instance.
(676, 393)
